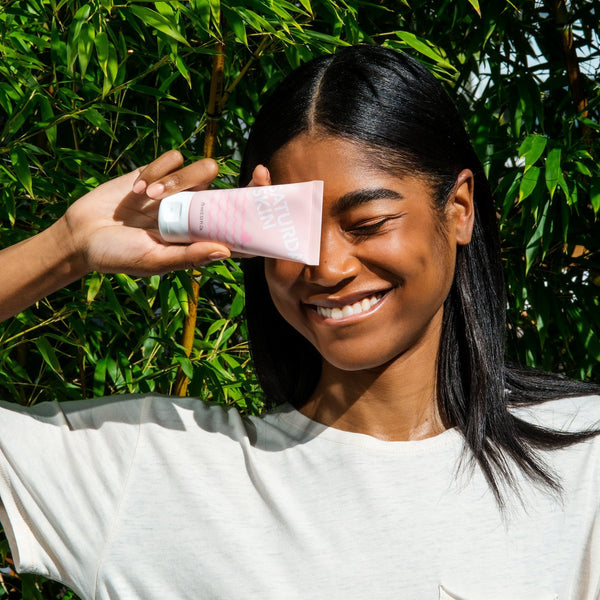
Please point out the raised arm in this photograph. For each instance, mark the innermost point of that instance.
(112, 229)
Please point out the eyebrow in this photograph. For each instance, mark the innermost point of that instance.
(358, 197)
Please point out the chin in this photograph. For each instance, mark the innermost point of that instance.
(354, 363)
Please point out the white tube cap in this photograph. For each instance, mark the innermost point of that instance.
(173, 217)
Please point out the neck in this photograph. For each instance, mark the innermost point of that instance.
(394, 402)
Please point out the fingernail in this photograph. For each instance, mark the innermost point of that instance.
(139, 186)
(217, 256)
(155, 189)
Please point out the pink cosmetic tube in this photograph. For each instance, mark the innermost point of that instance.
(278, 221)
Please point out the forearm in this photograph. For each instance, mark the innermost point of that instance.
(36, 267)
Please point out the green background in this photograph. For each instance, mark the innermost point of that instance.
(90, 90)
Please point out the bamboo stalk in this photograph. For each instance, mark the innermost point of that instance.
(215, 105)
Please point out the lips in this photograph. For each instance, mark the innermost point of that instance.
(342, 311)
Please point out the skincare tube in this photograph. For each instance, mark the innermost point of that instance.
(279, 221)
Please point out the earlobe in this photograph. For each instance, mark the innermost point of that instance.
(462, 207)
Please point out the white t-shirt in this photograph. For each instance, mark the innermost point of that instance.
(154, 497)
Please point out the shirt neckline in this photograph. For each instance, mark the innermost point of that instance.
(304, 429)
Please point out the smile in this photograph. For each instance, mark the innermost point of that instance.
(349, 310)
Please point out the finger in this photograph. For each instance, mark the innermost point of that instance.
(175, 257)
(163, 165)
(260, 176)
(198, 175)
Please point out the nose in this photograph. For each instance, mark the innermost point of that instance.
(337, 261)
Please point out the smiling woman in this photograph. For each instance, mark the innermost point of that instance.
(379, 243)
(383, 364)
(429, 353)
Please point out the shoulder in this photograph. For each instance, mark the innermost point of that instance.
(177, 413)
(114, 411)
(75, 414)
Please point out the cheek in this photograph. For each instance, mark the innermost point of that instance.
(422, 264)
(281, 276)
(397, 255)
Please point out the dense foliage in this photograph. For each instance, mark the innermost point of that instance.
(89, 90)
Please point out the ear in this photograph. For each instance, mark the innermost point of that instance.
(461, 209)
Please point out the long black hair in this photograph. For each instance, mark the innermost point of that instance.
(394, 108)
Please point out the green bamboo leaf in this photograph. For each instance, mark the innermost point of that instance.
(8, 207)
(565, 219)
(96, 119)
(48, 116)
(5, 98)
(125, 369)
(215, 10)
(152, 289)
(184, 301)
(158, 21)
(20, 163)
(186, 365)
(509, 197)
(307, 6)
(114, 372)
(215, 326)
(533, 246)
(528, 182)
(29, 588)
(562, 183)
(593, 124)
(107, 59)
(133, 290)
(85, 46)
(237, 25)
(79, 20)
(324, 37)
(583, 168)
(256, 21)
(183, 70)
(553, 171)
(112, 69)
(112, 300)
(48, 354)
(165, 294)
(101, 43)
(201, 9)
(227, 334)
(475, 5)
(165, 8)
(420, 45)
(94, 285)
(595, 195)
(237, 306)
(285, 17)
(532, 148)
(100, 376)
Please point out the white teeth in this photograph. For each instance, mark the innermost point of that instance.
(349, 309)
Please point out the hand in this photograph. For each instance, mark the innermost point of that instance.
(114, 228)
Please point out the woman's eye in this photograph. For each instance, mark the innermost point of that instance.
(369, 227)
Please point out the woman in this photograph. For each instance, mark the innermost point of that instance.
(403, 458)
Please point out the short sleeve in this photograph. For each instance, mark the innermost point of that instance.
(63, 472)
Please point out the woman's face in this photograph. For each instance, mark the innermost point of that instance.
(386, 262)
